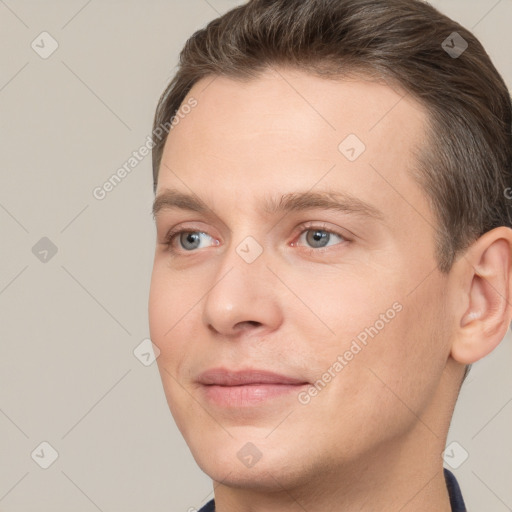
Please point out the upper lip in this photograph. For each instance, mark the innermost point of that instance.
(224, 377)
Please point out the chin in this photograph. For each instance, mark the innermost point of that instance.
(263, 477)
(259, 464)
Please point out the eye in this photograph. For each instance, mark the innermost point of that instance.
(317, 237)
(311, 238)
(188, 240)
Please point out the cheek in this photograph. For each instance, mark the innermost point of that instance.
(171, 306)
(160, 308)
(173, 311)
(386, 336)
(338, 304)
(403, 363)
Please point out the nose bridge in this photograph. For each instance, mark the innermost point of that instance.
(240, 291)
(245, 250)
(242, 269)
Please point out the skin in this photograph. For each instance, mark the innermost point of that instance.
(372, 438)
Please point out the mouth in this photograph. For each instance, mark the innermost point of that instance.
(246, 388)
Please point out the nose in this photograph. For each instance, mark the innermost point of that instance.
(243, 298)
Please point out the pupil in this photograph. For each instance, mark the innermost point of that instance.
(191, 238)
(319, 236)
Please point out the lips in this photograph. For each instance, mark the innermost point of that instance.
(223, 377)
(246, 388)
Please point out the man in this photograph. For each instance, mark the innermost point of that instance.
(333, 250)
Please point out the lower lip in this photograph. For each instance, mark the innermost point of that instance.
(249, 394)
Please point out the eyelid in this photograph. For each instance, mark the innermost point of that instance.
(186, 226)
(321, 226)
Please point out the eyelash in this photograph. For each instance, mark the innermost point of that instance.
(174, 233)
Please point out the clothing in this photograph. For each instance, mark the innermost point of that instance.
(456, 500)
(209, 507)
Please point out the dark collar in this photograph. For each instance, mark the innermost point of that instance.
(456, 500)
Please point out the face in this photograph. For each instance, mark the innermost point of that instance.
(295, 335)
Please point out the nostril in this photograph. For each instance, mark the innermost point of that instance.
(248, 323)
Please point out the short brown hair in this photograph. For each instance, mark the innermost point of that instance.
(464, 167)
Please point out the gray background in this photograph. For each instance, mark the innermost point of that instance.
(69, 326)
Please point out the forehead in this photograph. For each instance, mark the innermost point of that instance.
(288, 130)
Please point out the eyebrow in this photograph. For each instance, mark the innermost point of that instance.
(295, 201)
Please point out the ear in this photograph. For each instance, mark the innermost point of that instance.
(485, 282)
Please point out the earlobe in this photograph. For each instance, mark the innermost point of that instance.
(486, 285)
